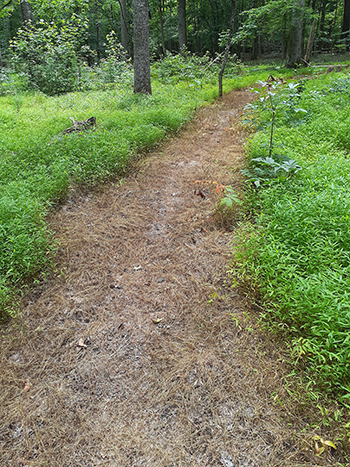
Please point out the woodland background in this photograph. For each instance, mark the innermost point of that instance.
(84, 33)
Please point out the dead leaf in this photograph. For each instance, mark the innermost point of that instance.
(26, 386)
(81, 343)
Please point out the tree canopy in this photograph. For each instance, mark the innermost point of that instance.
(277, 28)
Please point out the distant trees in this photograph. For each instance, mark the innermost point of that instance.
(286, 29)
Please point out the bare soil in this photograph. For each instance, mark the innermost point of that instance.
(130, 356)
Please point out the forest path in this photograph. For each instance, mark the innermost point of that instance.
(131, 355)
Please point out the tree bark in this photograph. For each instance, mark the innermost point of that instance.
(142, 71)
(97, 30)
(295, 39)
(160, 8)
(310, 42)
(124, 25)
(181, 10)
(322, 21)
(228, 45)
(26, 11)
(346, 19)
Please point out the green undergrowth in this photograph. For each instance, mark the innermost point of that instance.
(37, 165)
(296, 252)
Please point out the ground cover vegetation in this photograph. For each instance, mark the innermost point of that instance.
(39, 163)
(85, 59)
(297, 249)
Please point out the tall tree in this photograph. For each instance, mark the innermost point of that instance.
(142, 69)
(295, 39)
(310, 43)
(346, 19)
(26, 10)
(160, 10)
(124, 25)
(181, 10)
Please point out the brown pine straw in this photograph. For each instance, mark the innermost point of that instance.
(130, 349)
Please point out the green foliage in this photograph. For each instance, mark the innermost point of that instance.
(117, 66)
(47, 54)
(267, 170)
(299, 250)
(37, 165)
(230, 198)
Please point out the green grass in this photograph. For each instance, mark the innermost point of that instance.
(298, 251)
(37, 166)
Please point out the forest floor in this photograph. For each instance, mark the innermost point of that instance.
(130, 356)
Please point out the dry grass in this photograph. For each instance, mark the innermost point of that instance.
(164, 378)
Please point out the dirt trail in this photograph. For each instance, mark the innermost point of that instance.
(162, 376)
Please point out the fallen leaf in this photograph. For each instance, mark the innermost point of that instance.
(158, 320)
(26, 386)
(329, 443)
(81, 343)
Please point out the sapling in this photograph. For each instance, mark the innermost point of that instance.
(272, 99)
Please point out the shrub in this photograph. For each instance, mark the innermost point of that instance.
(47, 54)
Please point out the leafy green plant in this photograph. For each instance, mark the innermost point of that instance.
(297, 253)
(267, 170)
(229, 195)
(47, 54)
(274, 97)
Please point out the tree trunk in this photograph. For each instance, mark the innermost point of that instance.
(160, 7)
(124, 25)
(181, 10)
(97, 31)
(295, 40)
(228, 45)
(255, 45)
(142, 71)
(310, 42)
(26, 11)
(346, 20)
(322, 20)
(334, 23)
(284, 36)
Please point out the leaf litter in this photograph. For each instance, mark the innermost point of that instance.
(194, 390)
